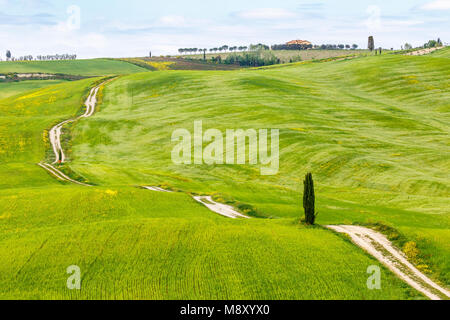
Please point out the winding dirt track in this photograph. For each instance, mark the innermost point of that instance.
(56, 132)
(382, 249)
(55, 138)
(59, 175)
(220, 208)
(207, 201)
(157, 189)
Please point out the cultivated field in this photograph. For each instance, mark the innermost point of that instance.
(442, 53)
(373, 130)
(170, 63)
(95, 67)
(9, 89)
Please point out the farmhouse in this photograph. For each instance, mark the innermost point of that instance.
(298, 42)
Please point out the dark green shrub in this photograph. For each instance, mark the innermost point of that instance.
(309, 200)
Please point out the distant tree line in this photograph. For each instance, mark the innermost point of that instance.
(251, 59)
(191, 50)
(261, 46)
(14, 77)
(316, 47)
(231, 49)
(65, 56)
(336, 47)
(429, 44)
(225, 48)
(292, 46)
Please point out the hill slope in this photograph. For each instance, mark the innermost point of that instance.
(359, 125)
(136, 244)
(93, 67)
(372, 130)
(443, 53)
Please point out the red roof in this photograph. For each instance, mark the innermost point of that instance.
(298, 42)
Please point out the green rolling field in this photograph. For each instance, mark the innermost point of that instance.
(92, 67)
(9, 89)
(443, 53)
(373, 130)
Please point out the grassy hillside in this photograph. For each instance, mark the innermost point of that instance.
(442, 53)
(133, 243)
(9, 89)
(94, 67)
(169, 63)
(24, 119)
(374, 131)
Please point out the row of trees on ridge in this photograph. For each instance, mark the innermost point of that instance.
(64, 56)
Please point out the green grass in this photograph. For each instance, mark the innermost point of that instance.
(372, 130)
(135, 244)
(442, 53)
(9, 89)
(93, 67)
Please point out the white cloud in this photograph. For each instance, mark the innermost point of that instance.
(402, 23)
(172, 21)
(437, 5)
(266, 14)
(373, 22)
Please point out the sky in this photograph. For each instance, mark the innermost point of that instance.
(132, 28)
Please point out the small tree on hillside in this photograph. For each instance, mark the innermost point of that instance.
(309, 200)
(8, 54)
(371, 45)
(430, 44)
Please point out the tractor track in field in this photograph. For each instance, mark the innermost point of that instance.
(377, 245)
(421, 52)
(219, 208)
(59, 175)
(55, 134)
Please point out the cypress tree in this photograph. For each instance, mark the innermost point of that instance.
(371, 45)
(309, 200)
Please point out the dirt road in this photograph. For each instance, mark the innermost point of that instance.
(56, 132)
(220, 208)
(207, 201)
(383, 250)
(55, 138)
(59, 175)
(422, 52)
